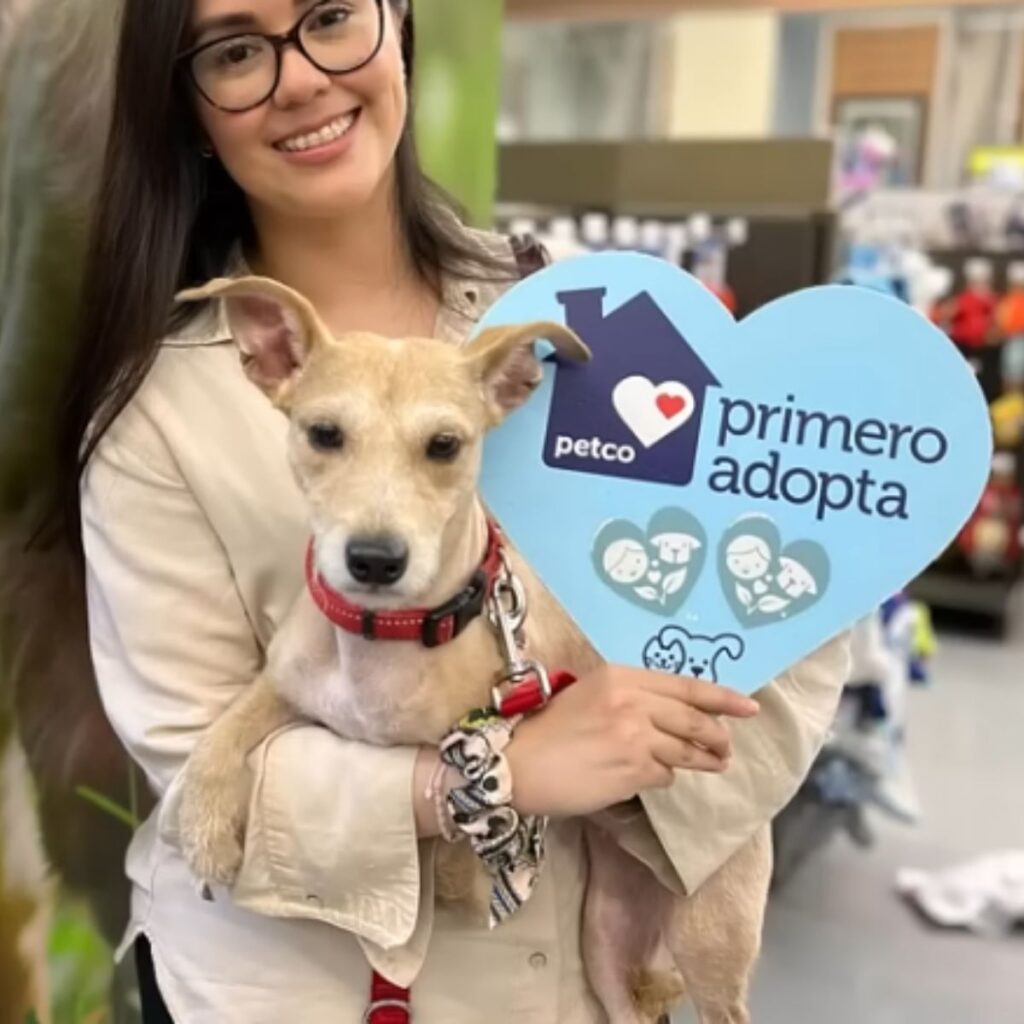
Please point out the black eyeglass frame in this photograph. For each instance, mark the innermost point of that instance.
(292, 37)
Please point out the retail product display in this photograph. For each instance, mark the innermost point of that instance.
(863, 767)
(971, 314)
(991, 540)
(710, 247)
(1010, 322)
(700, 244)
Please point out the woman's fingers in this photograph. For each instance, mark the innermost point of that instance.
(705, 696)
(679, 754)
(682, 722)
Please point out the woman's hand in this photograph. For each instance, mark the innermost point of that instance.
(616, 732)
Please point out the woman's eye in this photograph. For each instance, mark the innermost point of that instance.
(333, 16)
(444, 448)
(234, 55)
(326, 437)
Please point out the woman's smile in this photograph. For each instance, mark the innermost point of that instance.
(321, 144)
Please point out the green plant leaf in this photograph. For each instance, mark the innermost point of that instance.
(111, 807)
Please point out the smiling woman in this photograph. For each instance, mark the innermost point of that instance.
(274, 138)
(204, 182)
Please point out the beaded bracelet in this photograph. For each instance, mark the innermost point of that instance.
(510, 845)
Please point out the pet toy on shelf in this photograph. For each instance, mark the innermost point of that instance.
(972, 313)
(711, 248)
(991, 540)
(1010, 318)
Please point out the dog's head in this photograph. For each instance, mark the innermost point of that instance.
(386, 434)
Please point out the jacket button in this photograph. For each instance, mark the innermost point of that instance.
(538, 960)
(314, 899)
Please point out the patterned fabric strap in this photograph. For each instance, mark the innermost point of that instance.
(510, 845)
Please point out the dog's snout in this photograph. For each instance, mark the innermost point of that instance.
(697, 670)
(381, 561)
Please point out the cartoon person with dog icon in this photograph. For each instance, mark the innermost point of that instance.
(656, 568)
(765, 582)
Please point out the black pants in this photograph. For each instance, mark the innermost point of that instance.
(154, 1009)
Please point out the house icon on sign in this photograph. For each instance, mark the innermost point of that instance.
(635, 409)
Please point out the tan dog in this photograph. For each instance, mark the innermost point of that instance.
(385, 442)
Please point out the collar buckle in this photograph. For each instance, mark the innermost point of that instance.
(461, 609)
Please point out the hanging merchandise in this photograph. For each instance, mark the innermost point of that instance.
(866, 268)
(594, 231)
(864, 763)
(872, 722)
(991, 539)
(1007, 414)
(652, 238)
(923, 644)
(896, 791)
(677, 241)
(710, 248)
(561, 239)
(973, 312)
(626, 234)
(1010, 319)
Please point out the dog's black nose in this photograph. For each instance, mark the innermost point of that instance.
(697, 670)
(377, 560)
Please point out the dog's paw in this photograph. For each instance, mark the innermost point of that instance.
(211, 825)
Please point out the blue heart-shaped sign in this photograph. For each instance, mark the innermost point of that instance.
(731, 495)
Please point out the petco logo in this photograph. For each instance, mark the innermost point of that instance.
(635, 410)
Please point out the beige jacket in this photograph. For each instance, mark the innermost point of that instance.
(194, 535)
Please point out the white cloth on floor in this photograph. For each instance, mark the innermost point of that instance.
(985, 895)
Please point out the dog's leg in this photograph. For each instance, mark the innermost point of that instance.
(215, 792)
(626, 910)
(715, 934)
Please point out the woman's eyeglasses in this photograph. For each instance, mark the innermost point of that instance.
(240, 72)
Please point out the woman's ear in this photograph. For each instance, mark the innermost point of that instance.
(274, 327)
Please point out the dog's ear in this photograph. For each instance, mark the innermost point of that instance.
(274, 326)
(503, 359)
(730, 644)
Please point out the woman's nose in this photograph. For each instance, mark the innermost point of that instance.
(300, 80)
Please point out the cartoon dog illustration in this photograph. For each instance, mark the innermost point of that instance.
(681, 652)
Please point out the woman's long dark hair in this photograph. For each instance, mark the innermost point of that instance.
(167, 218)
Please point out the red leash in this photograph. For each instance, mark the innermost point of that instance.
(390, 1004)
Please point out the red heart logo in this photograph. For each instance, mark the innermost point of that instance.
(670, 406)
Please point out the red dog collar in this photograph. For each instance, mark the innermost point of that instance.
(433, 627)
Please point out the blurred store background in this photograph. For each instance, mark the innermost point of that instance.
(766, 146)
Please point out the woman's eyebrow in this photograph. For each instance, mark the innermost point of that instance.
(236, 20)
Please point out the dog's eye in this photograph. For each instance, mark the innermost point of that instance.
(325, 437)
(444, 448)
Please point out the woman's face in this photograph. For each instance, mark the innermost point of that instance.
(278, 152)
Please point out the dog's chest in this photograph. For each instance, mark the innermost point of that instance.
(397, 692)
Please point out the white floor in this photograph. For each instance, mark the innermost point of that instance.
(840, 948)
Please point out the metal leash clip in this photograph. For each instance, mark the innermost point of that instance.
(506, 611)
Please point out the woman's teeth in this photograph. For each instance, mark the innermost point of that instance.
(333, 131)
